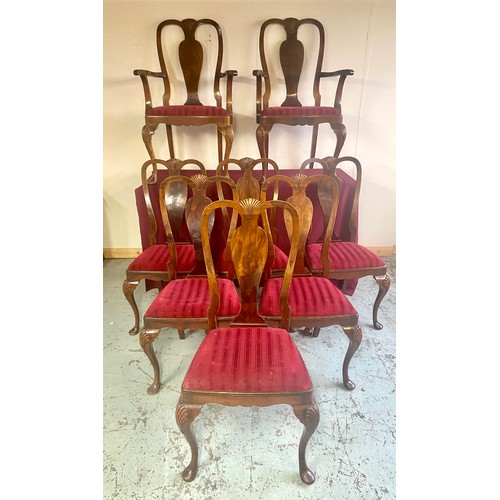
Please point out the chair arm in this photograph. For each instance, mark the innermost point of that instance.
(230, 74)
(343, 74)
(259, 74)
(144, 74)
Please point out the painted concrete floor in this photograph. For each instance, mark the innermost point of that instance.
(249, 453)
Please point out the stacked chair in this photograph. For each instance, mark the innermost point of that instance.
(213, 248)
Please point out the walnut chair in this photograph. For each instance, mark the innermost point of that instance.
(151, 263)
(292, 111)
(182, 304)
(190, 53)
(315, 302)
(247, 363)
(249, 187)
(346, 259)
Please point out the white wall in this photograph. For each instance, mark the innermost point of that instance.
(359, 35)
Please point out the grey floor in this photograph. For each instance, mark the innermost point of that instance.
(249, 453)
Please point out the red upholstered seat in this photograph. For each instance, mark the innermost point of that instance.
(343, 255)
(309, 296)
(156, 257)
(247, 359)
(187, 110)
(301, 111)
(190, 298)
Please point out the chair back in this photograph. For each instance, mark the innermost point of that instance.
(189, 212)
(299, 199)
(291, 56)
(191, 58)
(250, 249)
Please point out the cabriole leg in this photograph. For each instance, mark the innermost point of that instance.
(354, 334)
(184, 416)
(146, 340)
(128, 290)
(340, 133)
(383, 287)
(309, 416)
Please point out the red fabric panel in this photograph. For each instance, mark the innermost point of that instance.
(343, 255)
(301, 111)
(156, 257)
(190, 298)
(187, 110)
(247, 360)
(309, 296)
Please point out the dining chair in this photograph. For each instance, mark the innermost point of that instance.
(248, 363)
(189, 56)
(346, 259)
(289, 56)
(182, 304)
(151, 263)
(315, 302)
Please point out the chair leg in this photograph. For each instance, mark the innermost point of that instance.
(146, 340)
(340, 132)
(228, 134)
(314, 141)
(355, 335)
(309, 416)
(184, 416)
(170, 140)
(383, 287)
(262, 135)
(181, 334)
(128, 288)
(147, 137)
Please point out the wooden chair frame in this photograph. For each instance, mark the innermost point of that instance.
(190, 54)
(249, 268)
(291, 60)
(177, 195)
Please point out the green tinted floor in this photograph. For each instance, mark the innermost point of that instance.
(249, 453)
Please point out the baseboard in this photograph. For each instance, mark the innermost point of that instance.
(130, 253)
(383, 251)
(121, 253)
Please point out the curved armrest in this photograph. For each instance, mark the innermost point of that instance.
(144, 74)
(230, 74)
(259, 74)
(343, 74)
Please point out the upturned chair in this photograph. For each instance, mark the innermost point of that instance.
(151, 263)
(190, 54)
(182, 304)
(314, 301)
(346, 260)
(291, 61)
(247, 363)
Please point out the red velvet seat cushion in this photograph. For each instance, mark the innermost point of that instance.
(247, 360)
(309, 296)
(156, 257)
(343, 255)
(301, 111)
(280, 260)
(190, 298)
(188, 110)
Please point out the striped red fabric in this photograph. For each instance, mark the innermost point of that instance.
(155, 258)
(309, 296)
(343, 255)
(301, 111)
(187, 110)
(247, 360)
(190, 298)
